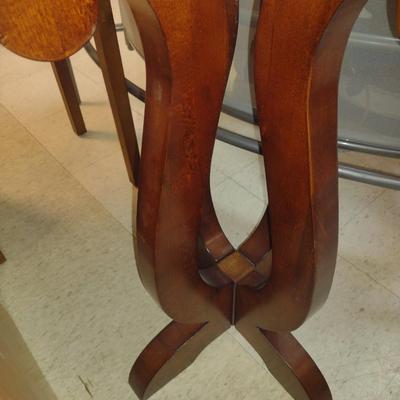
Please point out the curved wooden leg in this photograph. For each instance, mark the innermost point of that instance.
(67, 85)
(288, 362)
(169, 353)
(398, 17)
(2, 258)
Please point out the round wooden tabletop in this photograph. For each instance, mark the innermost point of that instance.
(46, 30)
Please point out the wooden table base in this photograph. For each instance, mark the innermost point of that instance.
(283, 272)
(178, 345)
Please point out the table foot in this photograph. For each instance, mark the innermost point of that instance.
(288, 362)
(169, 353)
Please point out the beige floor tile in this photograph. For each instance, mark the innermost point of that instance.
(33, 96)
(9, 126)
(355, 335)
(238, 210)
(50, 124)
(371, 241)
(252, 178)
(223, 371)
(70, 279)
(353, 198)
(108, 182)
(357, 196)
(229, 160)
(12, 67)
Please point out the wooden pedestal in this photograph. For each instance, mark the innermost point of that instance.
(283, 272)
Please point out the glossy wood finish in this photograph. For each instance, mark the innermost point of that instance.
(114, 77)
(296, 78)
(46, 30)
(66, 82)
(174, 202)
(289, 363)
(52, 30)
(179, 131)
(283, 272)
(398, 17)
(169, 353)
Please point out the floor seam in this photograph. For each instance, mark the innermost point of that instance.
(363, 208)
(69, 173)
(247, 190)
(355, 266)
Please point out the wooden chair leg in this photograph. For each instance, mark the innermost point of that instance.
(398, 17)
(169, 353)
(2, 258)
(288, 362)
(77, 94)
(113, 73)
(66, 82)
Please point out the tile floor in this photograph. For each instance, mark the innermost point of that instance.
(70, 281)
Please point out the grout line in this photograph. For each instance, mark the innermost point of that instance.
(249, 353)
(64, 168)
(352, 264)
(225, 177)
(8, 81)
(380, 193)
(246, 189)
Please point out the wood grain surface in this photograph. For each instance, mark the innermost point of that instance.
(283, 272)
(181, 119)
(46, 30)
(398, 17)
(175, 217)
(298, 53)
(69, 91)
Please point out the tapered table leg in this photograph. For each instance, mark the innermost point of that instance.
(66, 82)
(2, 258)
(113, 73)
